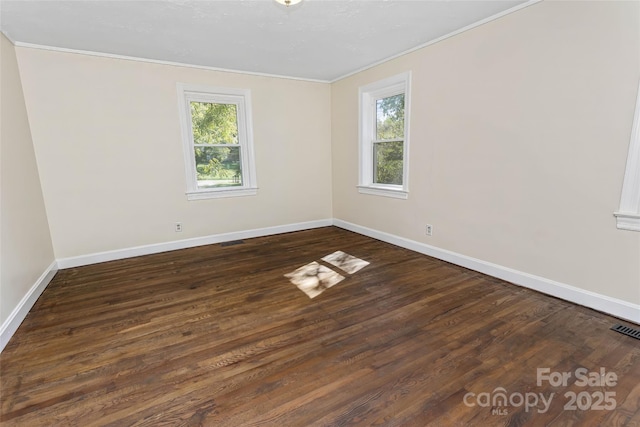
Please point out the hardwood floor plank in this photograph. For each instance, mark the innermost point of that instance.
(218, 336)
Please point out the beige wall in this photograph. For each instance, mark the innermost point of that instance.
(108, 143)
(25, 242)
(519, 135)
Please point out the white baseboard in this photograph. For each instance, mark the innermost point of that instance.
(16, 317)
(615, 307)
(187, 243)
(11, 324)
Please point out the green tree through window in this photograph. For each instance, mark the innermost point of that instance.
(388, 146)
(215, 140)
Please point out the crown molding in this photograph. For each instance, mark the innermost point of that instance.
(441, 38)
(277, 76)
(157, 61)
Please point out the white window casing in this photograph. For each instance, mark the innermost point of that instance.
(241, 98)
(628, 216)
(368, 95)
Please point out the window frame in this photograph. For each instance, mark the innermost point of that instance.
(218, 95)
(368, 95)
(628, 215)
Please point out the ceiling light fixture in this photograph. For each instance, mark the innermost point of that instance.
(288, 2)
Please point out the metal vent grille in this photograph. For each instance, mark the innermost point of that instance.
(626, 330)
(232, 242)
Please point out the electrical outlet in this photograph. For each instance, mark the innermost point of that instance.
(178, 227)
(429, 230)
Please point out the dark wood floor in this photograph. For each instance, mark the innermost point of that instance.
(217, 336)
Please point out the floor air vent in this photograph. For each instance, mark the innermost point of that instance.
(632, 332)
(232, 242)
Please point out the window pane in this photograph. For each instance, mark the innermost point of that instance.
(218, 167)
(387, 162)
(390, 117)
(214, 123)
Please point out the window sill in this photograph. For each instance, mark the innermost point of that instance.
(217, 194)
(627, 221)
(383, 191)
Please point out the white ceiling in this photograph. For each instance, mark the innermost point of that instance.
(317, 39)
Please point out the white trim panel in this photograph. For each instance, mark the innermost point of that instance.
(381, 191)
(203, 195)
(627, 221)
(11, 324)
(628, 216)
(187, 243)
(613, 306)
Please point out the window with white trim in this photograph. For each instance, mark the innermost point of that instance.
(628, 216)
(384, 137)
(218, 141)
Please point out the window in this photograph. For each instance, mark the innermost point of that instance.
(384, 137)
(218, 141)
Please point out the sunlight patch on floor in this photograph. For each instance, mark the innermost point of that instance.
(345, 262)
(314, 278)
